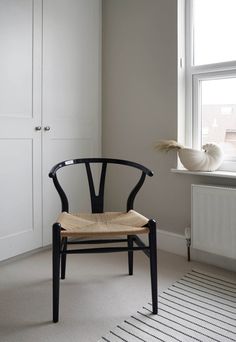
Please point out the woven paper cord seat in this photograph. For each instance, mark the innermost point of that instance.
(108, 223)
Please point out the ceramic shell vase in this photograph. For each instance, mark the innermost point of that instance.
(207, 160)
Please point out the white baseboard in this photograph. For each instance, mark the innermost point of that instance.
(176, 243)
(25, 255)
(171, 242)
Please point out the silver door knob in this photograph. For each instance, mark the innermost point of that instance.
(38, 128)
(47, 128)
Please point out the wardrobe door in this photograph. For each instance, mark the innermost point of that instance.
(71, 96)
(20, 114)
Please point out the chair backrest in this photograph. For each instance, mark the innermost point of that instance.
(97, 201)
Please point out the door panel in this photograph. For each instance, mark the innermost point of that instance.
(16, 31)
(71, 60)
(20, 206)
(20, 112)
(71, 94)
(16, 196)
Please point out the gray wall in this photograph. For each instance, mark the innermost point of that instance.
(140, 104)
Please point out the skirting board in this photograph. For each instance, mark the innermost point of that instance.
(171, 242)
(176, 244)
(25, 255)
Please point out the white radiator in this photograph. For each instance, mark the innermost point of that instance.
(213, 226)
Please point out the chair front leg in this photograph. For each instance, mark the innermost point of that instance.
(63, 258)
(153, 263)
(130, 254)
(56, 249)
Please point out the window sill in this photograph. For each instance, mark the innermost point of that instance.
(222, 174)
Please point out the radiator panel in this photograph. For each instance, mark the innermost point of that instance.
(213, 227)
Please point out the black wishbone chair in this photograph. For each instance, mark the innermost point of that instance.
(101, 224)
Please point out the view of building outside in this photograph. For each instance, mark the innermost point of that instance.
(218, 114)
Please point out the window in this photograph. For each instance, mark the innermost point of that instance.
(211, 76)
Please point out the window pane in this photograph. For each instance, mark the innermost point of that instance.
(214, 28)
(218, 109)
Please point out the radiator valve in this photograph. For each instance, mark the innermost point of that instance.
(188, 240)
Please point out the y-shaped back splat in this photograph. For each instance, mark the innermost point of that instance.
(97, 201)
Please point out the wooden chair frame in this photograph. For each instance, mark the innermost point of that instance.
(60, 250)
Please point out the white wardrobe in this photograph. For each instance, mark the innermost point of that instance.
(50, 99)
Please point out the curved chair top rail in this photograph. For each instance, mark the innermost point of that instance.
(99, 160)
(97, 201)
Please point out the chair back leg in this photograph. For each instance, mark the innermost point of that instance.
(56, 270)
(130, 254)
(153, 264)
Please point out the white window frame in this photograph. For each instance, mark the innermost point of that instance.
(193, 77)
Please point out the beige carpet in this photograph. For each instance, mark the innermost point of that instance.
(95, 297)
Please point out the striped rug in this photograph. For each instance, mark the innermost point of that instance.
(199, 307)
